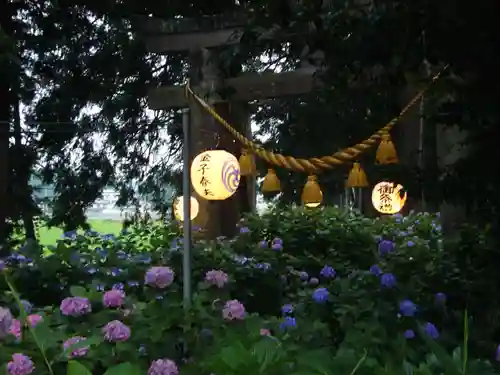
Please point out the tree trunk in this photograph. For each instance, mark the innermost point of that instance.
(6, 27)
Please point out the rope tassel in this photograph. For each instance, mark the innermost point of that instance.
(271, 182)
(247, 163)
(312, 196)
(357, 177)
(386, 152)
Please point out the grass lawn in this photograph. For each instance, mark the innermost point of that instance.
(49, 236)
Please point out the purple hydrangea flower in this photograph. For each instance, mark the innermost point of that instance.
(320, 295)
(327, 271)
(288, 322)
(376, 270)
(233, 310)
(163, 367)
(216, 277)
(409, 334)
(114, 298)
(287, 309)
(78, 352)
(75, 306)
(244, 230)
(303, 276)
(431, 330)
(277, 244)
(407, 308)
(5, 322)
(20, 365)
(385, 247)
(263, 244)
(116, 331)
(159, 277)
(388, 280)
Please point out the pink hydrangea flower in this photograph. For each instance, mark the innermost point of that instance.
(34, 319)
(114, 298)
(233, 310)
(20, 365)
(78, 352)
(265, 332)
(163, 367)
(159, 277)
(116, 331)
(15, 329)
(216, 277)
(75, 306)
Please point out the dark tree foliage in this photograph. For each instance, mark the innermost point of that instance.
(65, 59)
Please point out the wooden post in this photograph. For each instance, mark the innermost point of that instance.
(218, 218)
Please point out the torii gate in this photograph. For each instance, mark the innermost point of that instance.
(200, 37)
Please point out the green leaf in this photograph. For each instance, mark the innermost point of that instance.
(267, 352)
(78, 291)
(126, 368)
(444, 359)
(76, 368)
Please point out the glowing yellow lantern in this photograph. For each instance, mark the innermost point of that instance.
(387, 198)
(215, 174)
(178, 208)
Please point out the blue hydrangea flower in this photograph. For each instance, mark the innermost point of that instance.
(263, 244)
(388, 280)
(27, 306)
(132, 283)
(277, 244)
(431, 330)
(407, 308)
(244, 230)
(440, 298)
(263, 266)
(385, 247)
(288, 322)
(313, 281)
(376, 270)
(410, 243)
(287, 309)
(2, 265)
(409, 334)
(118, 286)
(320, 295)
(304, 276)
(497, 354)
(327, 271)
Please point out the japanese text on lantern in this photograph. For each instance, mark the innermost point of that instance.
(204, 181)
(387, 197)
(385, 192)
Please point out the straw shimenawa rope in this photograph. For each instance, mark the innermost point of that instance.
(313, 165)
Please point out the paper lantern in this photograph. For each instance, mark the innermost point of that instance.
(215, 174)
(387, 199)
(178, 208)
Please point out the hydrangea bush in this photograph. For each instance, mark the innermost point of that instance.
(298, 291)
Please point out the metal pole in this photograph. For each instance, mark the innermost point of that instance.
(186, 194)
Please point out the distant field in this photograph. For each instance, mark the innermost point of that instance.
(49, 236)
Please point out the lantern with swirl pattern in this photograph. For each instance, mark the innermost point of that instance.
(215, 174)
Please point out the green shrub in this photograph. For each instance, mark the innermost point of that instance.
(324, 292)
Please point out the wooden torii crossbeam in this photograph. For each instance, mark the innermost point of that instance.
(191, 34)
